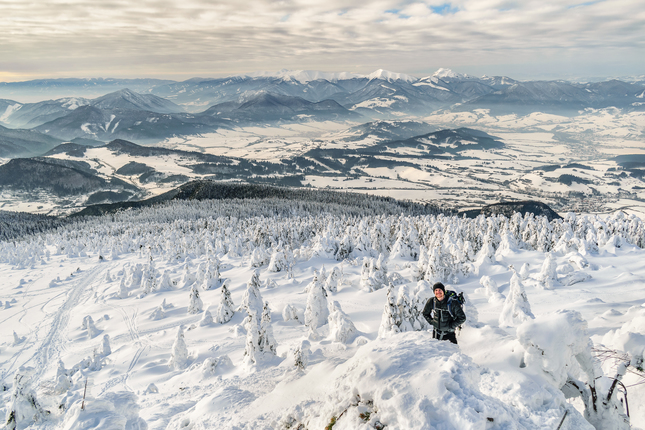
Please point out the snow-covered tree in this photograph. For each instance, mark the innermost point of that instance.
(252, 302)
(225, 309)
(301, 355)
(391, 317)
(179, 355)
(316, 311)
(516, 308)
(548, 276)
(252, 352)
(268, 343)
(196, 305)
(23, 409)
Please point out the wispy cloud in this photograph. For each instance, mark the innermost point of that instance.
(201, 37)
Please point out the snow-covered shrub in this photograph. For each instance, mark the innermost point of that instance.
(259, 257)
(88, 325)
(290, 313)
(516, 308)
(166, 283)
(123, 290)
(207, 319)
(179, 355)
(278, 261)
(334, 279)
(490, 286)
(524, 271)
(158, 313)
(105, 346)
(63, 381)
(341, 328)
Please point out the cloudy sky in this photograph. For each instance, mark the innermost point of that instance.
(179, 39)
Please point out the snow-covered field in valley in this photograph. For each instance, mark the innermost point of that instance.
(270, 314)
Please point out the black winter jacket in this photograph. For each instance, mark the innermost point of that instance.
(447, 316)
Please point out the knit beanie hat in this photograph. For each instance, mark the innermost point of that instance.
(440, 286)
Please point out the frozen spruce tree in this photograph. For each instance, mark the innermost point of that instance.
(404, 304)
(252, 302)
(252, 352)
(548, 277)
(195, 306)
(301, 355)
(316, 311)
(391, 319)
(225, 309)
(179, 355)
(524, 271)
(267, 341)
(341, 328)
(516, 308)
(23, 408)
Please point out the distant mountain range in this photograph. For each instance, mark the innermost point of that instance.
(162, 109)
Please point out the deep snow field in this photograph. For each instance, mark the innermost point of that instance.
(133, 274)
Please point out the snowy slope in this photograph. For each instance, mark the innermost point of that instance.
(131, 276)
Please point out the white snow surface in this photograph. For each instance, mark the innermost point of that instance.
(404, 381)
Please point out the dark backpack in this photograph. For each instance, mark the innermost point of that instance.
(452, 297)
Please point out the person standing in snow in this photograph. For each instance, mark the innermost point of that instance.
(444, 313)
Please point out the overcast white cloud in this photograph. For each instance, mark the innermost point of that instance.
(183, 38)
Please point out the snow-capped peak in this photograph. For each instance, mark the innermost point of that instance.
(304, 76)
(447, 73)
(390, 76)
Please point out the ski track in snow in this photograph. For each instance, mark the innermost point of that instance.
(53, 344)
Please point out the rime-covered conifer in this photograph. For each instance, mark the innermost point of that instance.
(179, 355)
(268, 343)
(516, 306)
(225, 308)
(316, 311)
(301, 355)
(391, 318)
(252, 302)
(196, 305)
(548, 277)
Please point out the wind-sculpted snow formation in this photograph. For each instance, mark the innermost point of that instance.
(271, 313)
